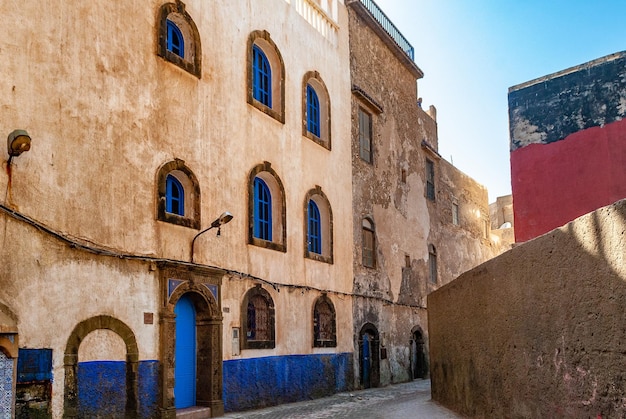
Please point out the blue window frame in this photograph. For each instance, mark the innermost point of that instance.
(262, 210)
(261, 77)
(174, 196)
(312, 111)
(315, 229)
(175, 40)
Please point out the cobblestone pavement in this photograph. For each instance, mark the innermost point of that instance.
(399, 401)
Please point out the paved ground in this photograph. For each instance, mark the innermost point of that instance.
(400, 401)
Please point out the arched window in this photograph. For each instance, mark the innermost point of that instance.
(318, 226)
(266, 206)
(175, 40)
(261, 77)
(324, 323)
(174, 196)
(315, 109)
(369, 244)
(179, 39)
(312, 111)
(178, 195)
(257, 320)
(432, 263)
(314, 231)
(266, 76)
(262, 210)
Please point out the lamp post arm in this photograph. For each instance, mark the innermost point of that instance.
(193, 242)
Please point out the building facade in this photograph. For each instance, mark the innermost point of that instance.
(147, 122)
(418, 221)
(568, 144)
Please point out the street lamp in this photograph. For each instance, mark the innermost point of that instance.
(217, 223)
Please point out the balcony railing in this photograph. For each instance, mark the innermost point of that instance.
(389, 27)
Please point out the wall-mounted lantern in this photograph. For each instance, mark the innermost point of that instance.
(18, 142)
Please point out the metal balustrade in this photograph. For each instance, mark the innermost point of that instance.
(388, 26)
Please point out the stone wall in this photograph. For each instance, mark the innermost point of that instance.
(538, 331)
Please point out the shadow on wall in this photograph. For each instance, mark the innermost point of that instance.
(538, 331)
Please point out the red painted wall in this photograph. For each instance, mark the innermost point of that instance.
(555, 183)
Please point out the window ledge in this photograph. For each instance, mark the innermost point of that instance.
(255, 241)
(279, 116)
(318, 257)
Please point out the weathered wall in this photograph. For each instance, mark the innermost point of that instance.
(391, 191)
(539, 330)
(568, 144)
(106, 112)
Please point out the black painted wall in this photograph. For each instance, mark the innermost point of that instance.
(553, 107)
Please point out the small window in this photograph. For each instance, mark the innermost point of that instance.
(314, 230)
(266, 209)
(262, 210)
(174, 196)
(257, 320)
(324, 324)
(368, 244)
(179, 39)
(175, 40)
(455, 213)
(365, 135)
(266, 75)
(178, 195)
(432, 263)
(315, 109)
(261, 77)
(430, 180)
(318, 230)
(312, 111)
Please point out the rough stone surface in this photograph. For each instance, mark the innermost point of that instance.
(538, 331)
(391, 192)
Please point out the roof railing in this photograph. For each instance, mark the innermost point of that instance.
(389, 27)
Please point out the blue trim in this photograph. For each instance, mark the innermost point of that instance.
(315, 229)
(261, 77)
(257, 382)
(312, 111)
(34, 365)
(174, 196)
(185, 353)
(175, 40)
(102, 388)
(262, 210)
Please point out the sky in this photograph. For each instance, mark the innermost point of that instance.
(472, 51)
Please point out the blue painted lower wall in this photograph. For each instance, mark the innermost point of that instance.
(102, 388)
(258, 382)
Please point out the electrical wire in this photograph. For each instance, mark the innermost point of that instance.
(76, 243)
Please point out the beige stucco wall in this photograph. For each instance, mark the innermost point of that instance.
(105, 112)
(539, 330)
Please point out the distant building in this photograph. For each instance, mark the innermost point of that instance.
(568, 144)
(418, 221)
(502, 221)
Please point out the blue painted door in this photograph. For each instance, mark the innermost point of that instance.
(367, 357)
(185, 353)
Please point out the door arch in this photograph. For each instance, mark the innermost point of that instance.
(185, 353)
(419, 360)
(369, 360)
(208, 347)
(82, 329)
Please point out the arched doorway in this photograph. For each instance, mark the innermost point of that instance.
(191, 341)
(369, 361)
(82, 329)
(185, 353)
(419, 361)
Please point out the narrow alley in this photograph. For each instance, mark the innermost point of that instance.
(400, 401)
